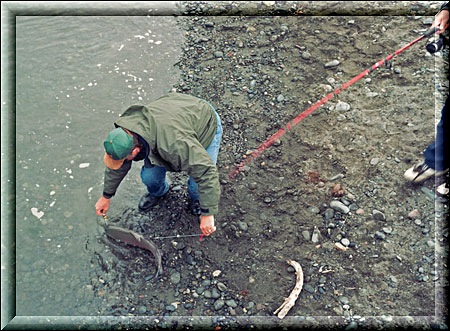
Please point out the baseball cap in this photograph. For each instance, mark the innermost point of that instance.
(118, 145)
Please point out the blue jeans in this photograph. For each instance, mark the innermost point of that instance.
(155, 177)
(436, 154)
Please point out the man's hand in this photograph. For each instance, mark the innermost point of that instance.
(102, 206)
(207, 224)
(441, 21)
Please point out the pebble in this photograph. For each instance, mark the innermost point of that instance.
(218, 304)
(387, 230)
(414, 214)
(316, 235)
(175, 278)
(380, 235)
(332, 64)
(221, 286)
(374, 161)
(215, 293)
(359, 211)
(171, 308)
(314, 210)
(243, 226)
(340, 247)
(428, 193)
(306, 55)
(378, 215)
(345, 241)
(231, 303)
(342, 106)
(344, 300)
(309, 288)
(306, 235)
(329, 213)
(339, 206)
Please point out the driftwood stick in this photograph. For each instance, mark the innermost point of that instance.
(289, 302)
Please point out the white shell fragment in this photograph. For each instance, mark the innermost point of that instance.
(37, 213)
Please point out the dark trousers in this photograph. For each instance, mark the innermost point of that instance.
(436, 155)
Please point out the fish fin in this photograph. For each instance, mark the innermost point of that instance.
(137, 236)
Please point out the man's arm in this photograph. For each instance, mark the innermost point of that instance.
(112, 180)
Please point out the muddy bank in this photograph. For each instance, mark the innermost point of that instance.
(337, 177)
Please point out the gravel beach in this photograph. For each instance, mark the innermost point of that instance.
(329, 194)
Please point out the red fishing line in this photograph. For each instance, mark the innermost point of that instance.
(277, 135)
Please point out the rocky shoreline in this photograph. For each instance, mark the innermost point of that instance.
(331, 193)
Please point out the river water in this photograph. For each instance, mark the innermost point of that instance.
(74, 76)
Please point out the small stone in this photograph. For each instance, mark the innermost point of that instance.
(309, 288)
(221, 286)
(340, 247)
(344, 300)
(306, 235)
(215, 293)
(329, 213)
(314, 210)
(316, 235)
(216, 273)
(243, 226)
(175, 278)
(378, 215)
(171, 307)
(339, 206)
(414, 214)
(218, 304)
(342, 106)
(374, 161)
(380, 235)
(387, 230)
(231, 303)
(331, 64)
(345, 242)
(306, 55)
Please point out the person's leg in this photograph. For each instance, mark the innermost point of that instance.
(154, 179)
(435, 161)
(435, 155)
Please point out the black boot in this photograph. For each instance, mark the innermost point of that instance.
(147, 202)
(195, 208)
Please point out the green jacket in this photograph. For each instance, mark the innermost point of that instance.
(177, 128)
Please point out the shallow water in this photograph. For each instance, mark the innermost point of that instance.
(74, 76)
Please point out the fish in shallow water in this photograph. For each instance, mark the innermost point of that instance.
(135, 239)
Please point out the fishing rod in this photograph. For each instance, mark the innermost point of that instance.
(105, 223)
(288, 126)
(178, 236)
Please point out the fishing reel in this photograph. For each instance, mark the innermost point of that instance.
(436, 45)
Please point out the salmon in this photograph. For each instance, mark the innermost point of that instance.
(135, 239)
